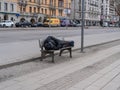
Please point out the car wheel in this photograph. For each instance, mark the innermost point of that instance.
(11, 25)
(4, 25)
(29, 26)
(22, 25)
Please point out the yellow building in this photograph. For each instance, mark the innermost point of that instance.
(29, 10)
(55, 8)
(33, 10)
(36, 10)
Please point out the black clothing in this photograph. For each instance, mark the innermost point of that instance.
(52, 43)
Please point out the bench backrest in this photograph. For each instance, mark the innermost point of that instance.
(41, 42)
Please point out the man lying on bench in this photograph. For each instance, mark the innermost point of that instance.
(52, 44)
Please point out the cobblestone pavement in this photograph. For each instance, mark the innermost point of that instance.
(68, 80)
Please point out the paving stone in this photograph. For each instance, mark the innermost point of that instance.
(87, 82)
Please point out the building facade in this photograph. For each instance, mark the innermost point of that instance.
(105, 11)
(8, 10)
(92, 11)
(55, 8)
(33, 10)
(108, 12)
(30, 10)
(37, 10)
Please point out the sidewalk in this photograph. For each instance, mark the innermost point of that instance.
(21, 51)
(82, 73)
(106, 79)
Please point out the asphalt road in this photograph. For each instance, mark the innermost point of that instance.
(8, 35)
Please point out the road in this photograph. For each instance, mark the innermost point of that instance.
(8, 35)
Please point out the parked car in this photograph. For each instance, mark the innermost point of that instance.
(34, 24)
(68, 22)
(105, 24)
(23, 24)
(6, 23)
(78, 24)
(65, 22)
(111, 24)
(72, 24)
(52, 22)
(37, 24)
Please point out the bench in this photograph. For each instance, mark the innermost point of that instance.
(51, 53)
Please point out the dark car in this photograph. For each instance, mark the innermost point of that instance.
(78, 24)
(72, 24)
(37, 24)
(23, 24)
(33, 24)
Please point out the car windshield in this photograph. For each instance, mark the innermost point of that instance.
(6, 21)
(23, 22)
(47, 21)
(2, 21)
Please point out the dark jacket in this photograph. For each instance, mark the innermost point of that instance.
(52, 43)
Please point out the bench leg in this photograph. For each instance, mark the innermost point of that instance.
(42, 55)
(70, 50)
(52, 54)
(60, 52)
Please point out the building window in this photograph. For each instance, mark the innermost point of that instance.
(60, 3)
(38, 1)
(24, 9)
(45, 2)
(51, 2)
(42, 10)
(12, 7)
(34, 9)
(0, 6)
(38, 10)
(30, 9)
(42, 2)
(60, 12)
(45, 11)
(5, 6)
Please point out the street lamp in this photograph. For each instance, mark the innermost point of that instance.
(74, 9)
(101, 16)
(82, 28)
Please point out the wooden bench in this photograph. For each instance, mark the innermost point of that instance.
(51, 53)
